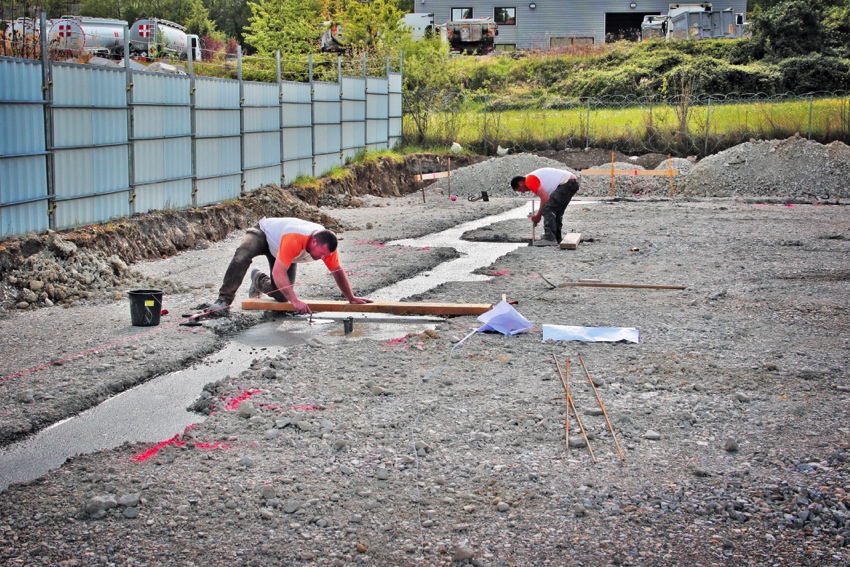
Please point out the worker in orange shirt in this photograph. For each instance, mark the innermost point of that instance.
(285, 242)
(556, 188)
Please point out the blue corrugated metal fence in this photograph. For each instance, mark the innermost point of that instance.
(82, 145)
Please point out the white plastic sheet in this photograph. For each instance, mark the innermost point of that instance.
(590, 334)
(503, 318)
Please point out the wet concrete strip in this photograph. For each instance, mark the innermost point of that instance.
(156, 411)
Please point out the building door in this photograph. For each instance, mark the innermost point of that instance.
(623, 25)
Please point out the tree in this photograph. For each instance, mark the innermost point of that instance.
(230, 16)
(103, 8)
(199, 22)
(288, 26)
(790, 28)
(373, 26)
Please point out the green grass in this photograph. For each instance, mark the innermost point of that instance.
(650, 127)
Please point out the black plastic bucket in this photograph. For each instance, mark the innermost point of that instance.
(145, 307)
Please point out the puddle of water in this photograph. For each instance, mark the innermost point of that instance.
(156, 411)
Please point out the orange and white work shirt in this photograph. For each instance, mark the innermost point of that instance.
(548, 179)
(288, 238)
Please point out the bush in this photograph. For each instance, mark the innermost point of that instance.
(814, 72)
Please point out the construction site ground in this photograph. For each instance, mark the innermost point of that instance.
(732, 412)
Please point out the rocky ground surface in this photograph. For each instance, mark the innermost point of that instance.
(448, 447)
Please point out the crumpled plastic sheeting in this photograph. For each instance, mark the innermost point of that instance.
(503, 318)
(591, 334)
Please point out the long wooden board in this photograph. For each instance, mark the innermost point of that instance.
(570, 241)
(396, 307)
(639, 172)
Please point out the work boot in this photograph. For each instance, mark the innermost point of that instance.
(253, 292)
(219, 308)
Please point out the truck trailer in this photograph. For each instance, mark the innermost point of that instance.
(472, 36)
(701, 21)
(75, 35)
(152, 36)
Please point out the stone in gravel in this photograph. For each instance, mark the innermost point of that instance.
(129, 499)
(340, 444)
(291, 506)
(26, 397)
(247, 409)
(577, 441)
(383, 474)
(579, 510)
(742, 397)
(463, 553)
(731, 445)
(652, 435)
(99, 504)
(131, 512)
(268, 491)
(503, 506)
(271, 434)
(246, 462)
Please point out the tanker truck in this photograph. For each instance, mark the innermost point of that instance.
(74, 35)
(151, 37)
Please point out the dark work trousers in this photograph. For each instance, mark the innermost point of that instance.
(553, 212)
(253, 244)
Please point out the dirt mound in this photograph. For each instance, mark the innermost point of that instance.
(794, 168)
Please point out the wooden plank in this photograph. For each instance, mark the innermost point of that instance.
(570, 241)
(623, 285)
(435, 175)
(638, 172)
(396, 307)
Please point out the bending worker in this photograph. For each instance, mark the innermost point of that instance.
(285, 242)
(556, 188)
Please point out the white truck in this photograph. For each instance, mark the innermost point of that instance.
(421, 24)
(74, 35)
(151, 37)
(472, 36)
(701, 21)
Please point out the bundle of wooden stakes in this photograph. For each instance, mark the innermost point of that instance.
(570, 404)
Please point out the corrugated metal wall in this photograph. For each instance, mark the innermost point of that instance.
(101, 143)
(535, 28)
(23, 149)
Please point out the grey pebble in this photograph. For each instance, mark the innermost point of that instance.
(731, 445)
(652, 435)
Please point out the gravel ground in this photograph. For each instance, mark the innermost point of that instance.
(732, 412)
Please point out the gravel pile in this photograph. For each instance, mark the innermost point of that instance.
(794, 168)
(63, 274)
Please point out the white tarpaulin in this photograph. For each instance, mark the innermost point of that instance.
(504, 319)
(590, 334)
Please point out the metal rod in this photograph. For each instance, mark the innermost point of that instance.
(601, 405)
(566, 400)
(578, 419)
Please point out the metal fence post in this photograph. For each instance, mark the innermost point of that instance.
(341, 107)
(811, 108)
(387, 75)
(193, 126)
(312, 114)
(587, 127)
(131, 150)
(47, 95)
(707, 125)
(241, 119)
(280, 114)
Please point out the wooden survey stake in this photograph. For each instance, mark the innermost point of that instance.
(570, 241)
(395, 307)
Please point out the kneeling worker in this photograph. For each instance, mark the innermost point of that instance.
(556, 188)
(285, 242)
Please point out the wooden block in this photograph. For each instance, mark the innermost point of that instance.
(435, 175)
(570, 241)
(395, 307)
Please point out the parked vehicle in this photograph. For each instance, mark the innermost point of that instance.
(421, 24)
(332, 40)
(154, 37)
(701, 21)
(654, 26)
(75, 35)
(472, 36)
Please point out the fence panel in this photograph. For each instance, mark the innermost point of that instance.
(23, 149)
(261, 135)
(353, 115)
(327, 129)
(218, 151)
(377, 113)
(296, 130)
(162, 141)
(395, 109)
(90, 144)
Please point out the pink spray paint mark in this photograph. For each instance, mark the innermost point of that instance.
(234, 403)
(396, 342)
(308, 407)
(499, 273)
(372, 242)
(145, 455)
